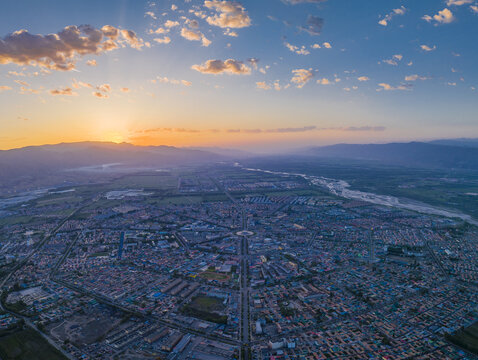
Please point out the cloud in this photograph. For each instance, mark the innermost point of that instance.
(458, 2)
(230, 14)
(327, 45)
(150, 14)
(166, 80)
(428, 48)
(194, 35)
(323, 81)
(301, 77)
(364, 128)
(159, 30)
(363, 78)
(66, 92)
(174, 7)
(313, 26)
(444, 16)
(60, 51)
(169, 24)
(100, 95)
(125, 89)
(474, 8)
(132, 39)
(228, 32)
(230, 66)
(21, 82)
(388, 87)
(164, 40)
(386, 19)
(300, 51)
(291, 129)
(150, 133)
(263, 85)
(15, 73)
(91, 63)
(394, 60)
(5, 88)
(415, 77)
(106, 88)
(79, 84)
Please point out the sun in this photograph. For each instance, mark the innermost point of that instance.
(114, 137)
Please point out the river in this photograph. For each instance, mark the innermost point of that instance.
(342, 188)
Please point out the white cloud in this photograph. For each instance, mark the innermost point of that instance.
(323, 81)
(230, 14)
(263, 85)
(388, 87)
(164, 40)
(327, 45)
(228, 32)
(458, 2)
(150, 14)
(300, 51)
(386, 19)
(428, 48)
(363, 78)
(415, 77)
(169, 24)
(195, 35)
(444, 16)
(301, 77)
(229, 66)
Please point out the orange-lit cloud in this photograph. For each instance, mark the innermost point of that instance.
(59, 51)
(230, 14)
(65, 92)
(301, 77)
(230, 66)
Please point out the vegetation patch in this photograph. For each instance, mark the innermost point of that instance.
(207, 308)
(27, 344)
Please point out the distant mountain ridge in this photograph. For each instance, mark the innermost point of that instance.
(412, 154)
(464, 142)
(36, 164)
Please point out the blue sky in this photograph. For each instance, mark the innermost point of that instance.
(324, 72)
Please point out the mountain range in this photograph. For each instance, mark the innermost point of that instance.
(35, 166)
(451, 154)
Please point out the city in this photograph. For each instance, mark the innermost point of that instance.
(222, 262)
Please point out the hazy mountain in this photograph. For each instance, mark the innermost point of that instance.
(233, 153)
(463, 142)
(49, 164)
(414, 154)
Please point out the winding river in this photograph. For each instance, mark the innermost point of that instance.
(342, 188)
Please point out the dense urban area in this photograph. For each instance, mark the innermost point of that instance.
(220, 262)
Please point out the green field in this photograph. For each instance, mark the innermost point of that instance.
(27, 345)
(466, 338)
(147, 181)
(212, 275)
(206, 308)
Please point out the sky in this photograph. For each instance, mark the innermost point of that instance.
(261, 75)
